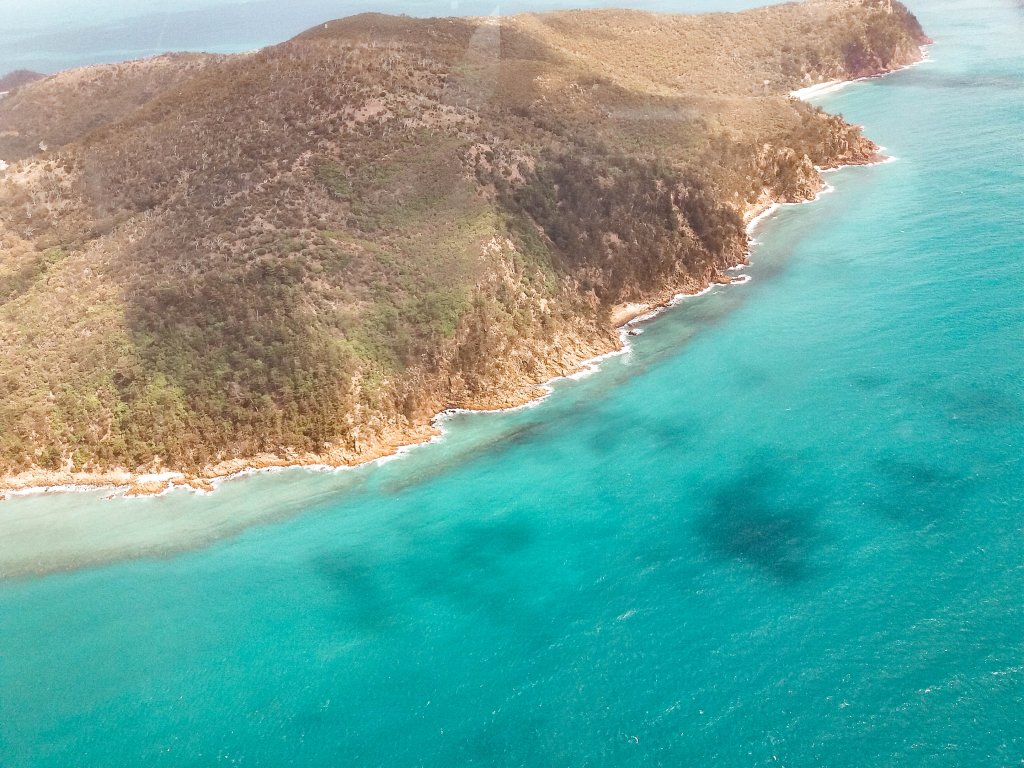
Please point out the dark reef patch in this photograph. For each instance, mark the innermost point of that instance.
(982, 405)
(870, 379)
(753, 519)
(469, 565)
(358, 587)
(919, 494)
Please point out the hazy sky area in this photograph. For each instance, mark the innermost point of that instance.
(48, 35)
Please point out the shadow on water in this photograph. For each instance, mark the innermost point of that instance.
(871, 380)
(920, 495)
(359, 588)
(980, 405)
(751, 520)
(470, 565)
(474, 565)
(480, 546)
(618, 439)
(750, 378)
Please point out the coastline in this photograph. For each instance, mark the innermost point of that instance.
(625, 319)
(123, 483)
(832, 86)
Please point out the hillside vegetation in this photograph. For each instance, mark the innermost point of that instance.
(17, 78)
(310, 250)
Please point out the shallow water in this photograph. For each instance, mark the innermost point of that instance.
(787, 528)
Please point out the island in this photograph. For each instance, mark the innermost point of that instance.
(303, 254)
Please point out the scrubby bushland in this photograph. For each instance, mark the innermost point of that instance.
(323, 243)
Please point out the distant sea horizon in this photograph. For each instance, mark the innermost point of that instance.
(53, 35)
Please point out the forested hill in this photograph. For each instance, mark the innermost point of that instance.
(312, 249)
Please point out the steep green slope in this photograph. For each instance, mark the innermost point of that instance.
(310, 250)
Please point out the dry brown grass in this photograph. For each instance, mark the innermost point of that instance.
(327, 241)
(65, 107)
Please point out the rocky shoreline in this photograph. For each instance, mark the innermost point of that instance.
(155, 480)
(124, 482)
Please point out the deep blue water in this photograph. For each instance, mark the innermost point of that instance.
(786, 529)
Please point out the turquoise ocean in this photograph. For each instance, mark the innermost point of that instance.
(786, 528)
